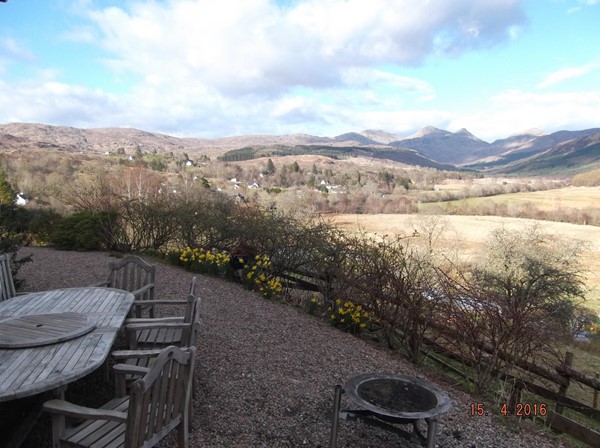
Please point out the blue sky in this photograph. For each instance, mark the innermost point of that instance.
(204, 68)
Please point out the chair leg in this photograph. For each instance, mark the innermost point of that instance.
(58, 429)
(183, 436)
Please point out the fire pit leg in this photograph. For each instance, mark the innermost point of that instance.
(431, 430)
(335, 419)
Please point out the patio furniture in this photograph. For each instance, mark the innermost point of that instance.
(388, 399)
(157, 404)
(136, 276)
(161, 332)
(59, 351)
(7, 287)
(52, 338)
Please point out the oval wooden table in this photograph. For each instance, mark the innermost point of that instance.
(44, 352)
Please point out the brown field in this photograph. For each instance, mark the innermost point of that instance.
(567, 198)
(468, 234)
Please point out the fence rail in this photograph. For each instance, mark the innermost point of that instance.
(561, 376)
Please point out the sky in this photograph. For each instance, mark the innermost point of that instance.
(208, 68)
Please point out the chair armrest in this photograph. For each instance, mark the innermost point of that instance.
(135, 354)
(143, 320)
(152, 326)
(72, 410)
(128, 369)
(143, 289)
(159, 302)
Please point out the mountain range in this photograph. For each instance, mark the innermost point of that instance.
(531, 152)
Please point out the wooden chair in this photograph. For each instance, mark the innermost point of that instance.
(158, 403)
(7, 287)
(153, 333)
(136, 276)
(161, 332)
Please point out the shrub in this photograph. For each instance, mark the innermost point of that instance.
(211, 262)
(516, 305)
(11, 241)
(395, 282)
(350, 317)
(83, 231)
(257, 275)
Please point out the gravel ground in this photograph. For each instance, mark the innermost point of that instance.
(266, 371)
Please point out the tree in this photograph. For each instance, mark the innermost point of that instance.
(516, 305)
(270, 167)
(6, 192)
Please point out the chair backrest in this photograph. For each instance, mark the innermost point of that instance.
(7, 287)
(189, 336)
(193, 286)
(132, 273)
(160, 401)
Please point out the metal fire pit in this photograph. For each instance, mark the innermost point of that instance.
(389, 398)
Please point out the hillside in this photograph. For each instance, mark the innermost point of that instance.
(443, 146)
(571, 157)
(406, 156)
(531, 152)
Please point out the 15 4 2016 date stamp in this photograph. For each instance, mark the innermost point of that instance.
(520, 410)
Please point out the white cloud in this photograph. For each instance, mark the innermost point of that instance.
(210, 68)
(48, 101)
(566, 74)
(515, 110)
(243, 46)
(10, 51)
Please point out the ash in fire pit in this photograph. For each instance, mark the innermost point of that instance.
(397, 396)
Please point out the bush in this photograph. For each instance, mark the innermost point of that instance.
(350, 317)
(83, 231)
(517, 304)
(394, 282)
(11, 240)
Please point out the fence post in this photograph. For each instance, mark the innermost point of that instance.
(562, 390)
(515, 396)
(595, 405)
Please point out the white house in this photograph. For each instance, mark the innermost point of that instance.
(21, 199)
(254, 186)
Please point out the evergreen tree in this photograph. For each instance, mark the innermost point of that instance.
(270, 167)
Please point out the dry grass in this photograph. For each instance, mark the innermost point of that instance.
(580, 198)
(466, 235)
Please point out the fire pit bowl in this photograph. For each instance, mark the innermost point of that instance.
(395, 399)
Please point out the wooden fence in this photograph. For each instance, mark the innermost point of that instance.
(554, 418)
(562, 376)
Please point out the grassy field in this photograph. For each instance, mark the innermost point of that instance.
(580, 198)
(467, 235)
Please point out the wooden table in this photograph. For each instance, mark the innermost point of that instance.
(52, 356)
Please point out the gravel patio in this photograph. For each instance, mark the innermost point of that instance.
(266, 371)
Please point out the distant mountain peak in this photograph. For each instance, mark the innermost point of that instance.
(463, 131)
(427, 131)
(466, 134)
